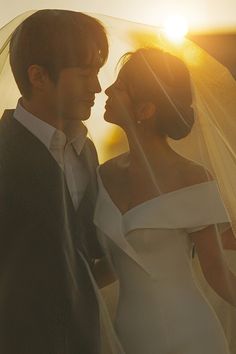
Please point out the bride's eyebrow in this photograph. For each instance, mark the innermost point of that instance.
(121, 84)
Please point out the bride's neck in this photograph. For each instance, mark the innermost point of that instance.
(151, 149)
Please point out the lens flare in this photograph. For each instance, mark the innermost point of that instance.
(175, 28)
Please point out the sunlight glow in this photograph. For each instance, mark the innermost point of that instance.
(175, 28)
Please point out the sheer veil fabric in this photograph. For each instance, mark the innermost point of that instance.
(212, 142)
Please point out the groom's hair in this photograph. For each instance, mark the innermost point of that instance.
(55, 39)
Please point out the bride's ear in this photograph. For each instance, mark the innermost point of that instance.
(145, 111)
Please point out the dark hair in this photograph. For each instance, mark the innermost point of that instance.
(55, 39)
(162, 78)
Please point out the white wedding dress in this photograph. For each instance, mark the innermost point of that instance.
(161, 310)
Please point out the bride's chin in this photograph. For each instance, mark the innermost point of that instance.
(107, 117)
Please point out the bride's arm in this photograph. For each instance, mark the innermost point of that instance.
(228, 240)
(213, 263)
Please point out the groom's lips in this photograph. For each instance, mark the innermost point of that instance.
(90, 102)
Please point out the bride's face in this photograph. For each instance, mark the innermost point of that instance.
(119, 108)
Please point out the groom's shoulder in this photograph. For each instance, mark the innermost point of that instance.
(8, 113)
(6, 118)
(6, 128)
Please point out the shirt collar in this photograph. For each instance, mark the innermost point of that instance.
(50, 136)
(76, 133)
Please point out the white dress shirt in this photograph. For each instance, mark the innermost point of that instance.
(65, 149)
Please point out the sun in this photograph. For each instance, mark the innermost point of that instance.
(175, 28)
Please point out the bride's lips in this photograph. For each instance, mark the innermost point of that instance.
(107, 105)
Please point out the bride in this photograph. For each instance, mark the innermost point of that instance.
(154, 206)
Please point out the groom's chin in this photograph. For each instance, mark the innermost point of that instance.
(80, 114)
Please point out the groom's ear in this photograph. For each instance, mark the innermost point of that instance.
(145, 111)
(38, 77)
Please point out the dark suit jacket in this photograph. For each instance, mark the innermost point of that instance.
(47, 303)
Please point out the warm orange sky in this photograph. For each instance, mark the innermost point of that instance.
(207, 13)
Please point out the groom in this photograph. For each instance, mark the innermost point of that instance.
(47, 188)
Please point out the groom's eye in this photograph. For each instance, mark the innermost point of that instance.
(86, 71)
(89, 71)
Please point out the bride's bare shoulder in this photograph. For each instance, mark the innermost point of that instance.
(195, 173)
(111, 168)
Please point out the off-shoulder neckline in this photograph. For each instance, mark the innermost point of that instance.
(151, 200)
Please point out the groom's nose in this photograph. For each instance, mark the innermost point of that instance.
(95, 86)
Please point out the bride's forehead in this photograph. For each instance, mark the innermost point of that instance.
(125, 72)
(133, 68)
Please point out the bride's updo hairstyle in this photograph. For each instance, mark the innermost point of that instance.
(163, 79)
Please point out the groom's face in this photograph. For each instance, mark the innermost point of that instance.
(75, 91)
(72, 97)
